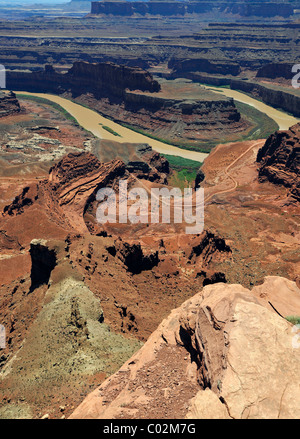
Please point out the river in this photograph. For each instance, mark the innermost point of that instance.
(94, 122)
(91, 120)
(284, 120)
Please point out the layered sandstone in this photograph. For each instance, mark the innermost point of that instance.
(129, 95)
(203, 65)
(103, 79)
(279, 160)
(276, 70)
(222, 354)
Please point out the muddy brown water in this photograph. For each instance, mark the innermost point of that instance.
(94, 122)
(284, 120)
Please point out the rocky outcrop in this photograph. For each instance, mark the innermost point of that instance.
(278, 98)
(153, 167)
(9, 104)
(222, 354)
(199, 178)
(113, 77)
(210, 246)
(279, 160)
(74, 181)
(194, 119)
(276, 70)
(133, 257)
(203, 65)
(43, 261)
(8, 242)
(27, 197)
(102, 79)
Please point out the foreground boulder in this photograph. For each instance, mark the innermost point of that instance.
(222, 354)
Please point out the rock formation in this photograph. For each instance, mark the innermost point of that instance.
(222, 354)
(9, 104)
(102, 79)
(199, 178)
(275, 71)
(174, 8)
(203, 65)
(279, 160)
(128, 94)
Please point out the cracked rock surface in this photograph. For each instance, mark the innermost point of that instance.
(222, 354)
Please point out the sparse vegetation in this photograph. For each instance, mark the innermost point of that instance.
(185, 170)
(110, 130)
(295, 320)
(180, 163)
(45, 101)
(263, 125)
(166, 141)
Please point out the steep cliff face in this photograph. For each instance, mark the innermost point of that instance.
(279, 160)
(113, 77)
(124, 8)
(277, 98)
(276, 70)
(259, 9)
(103, 79)
(287, 100)
(9, 104)
(204, 65)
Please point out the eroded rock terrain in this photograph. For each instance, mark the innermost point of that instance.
(217, 356)
(142, 320)
(279, 160)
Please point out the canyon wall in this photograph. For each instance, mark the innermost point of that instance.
(275, 97)
(9, 104)
(103, 79)
(204, 65)
(286, 100)
(276, 70)
(171, 8)
(129, 95)
(279, 160)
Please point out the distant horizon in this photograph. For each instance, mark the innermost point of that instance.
(32, 2)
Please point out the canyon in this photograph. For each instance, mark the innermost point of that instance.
(117, 283)
(168, 110)
(133, 319)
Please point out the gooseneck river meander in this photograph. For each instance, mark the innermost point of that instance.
(93, 122)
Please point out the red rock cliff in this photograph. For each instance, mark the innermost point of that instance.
(279, 159)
